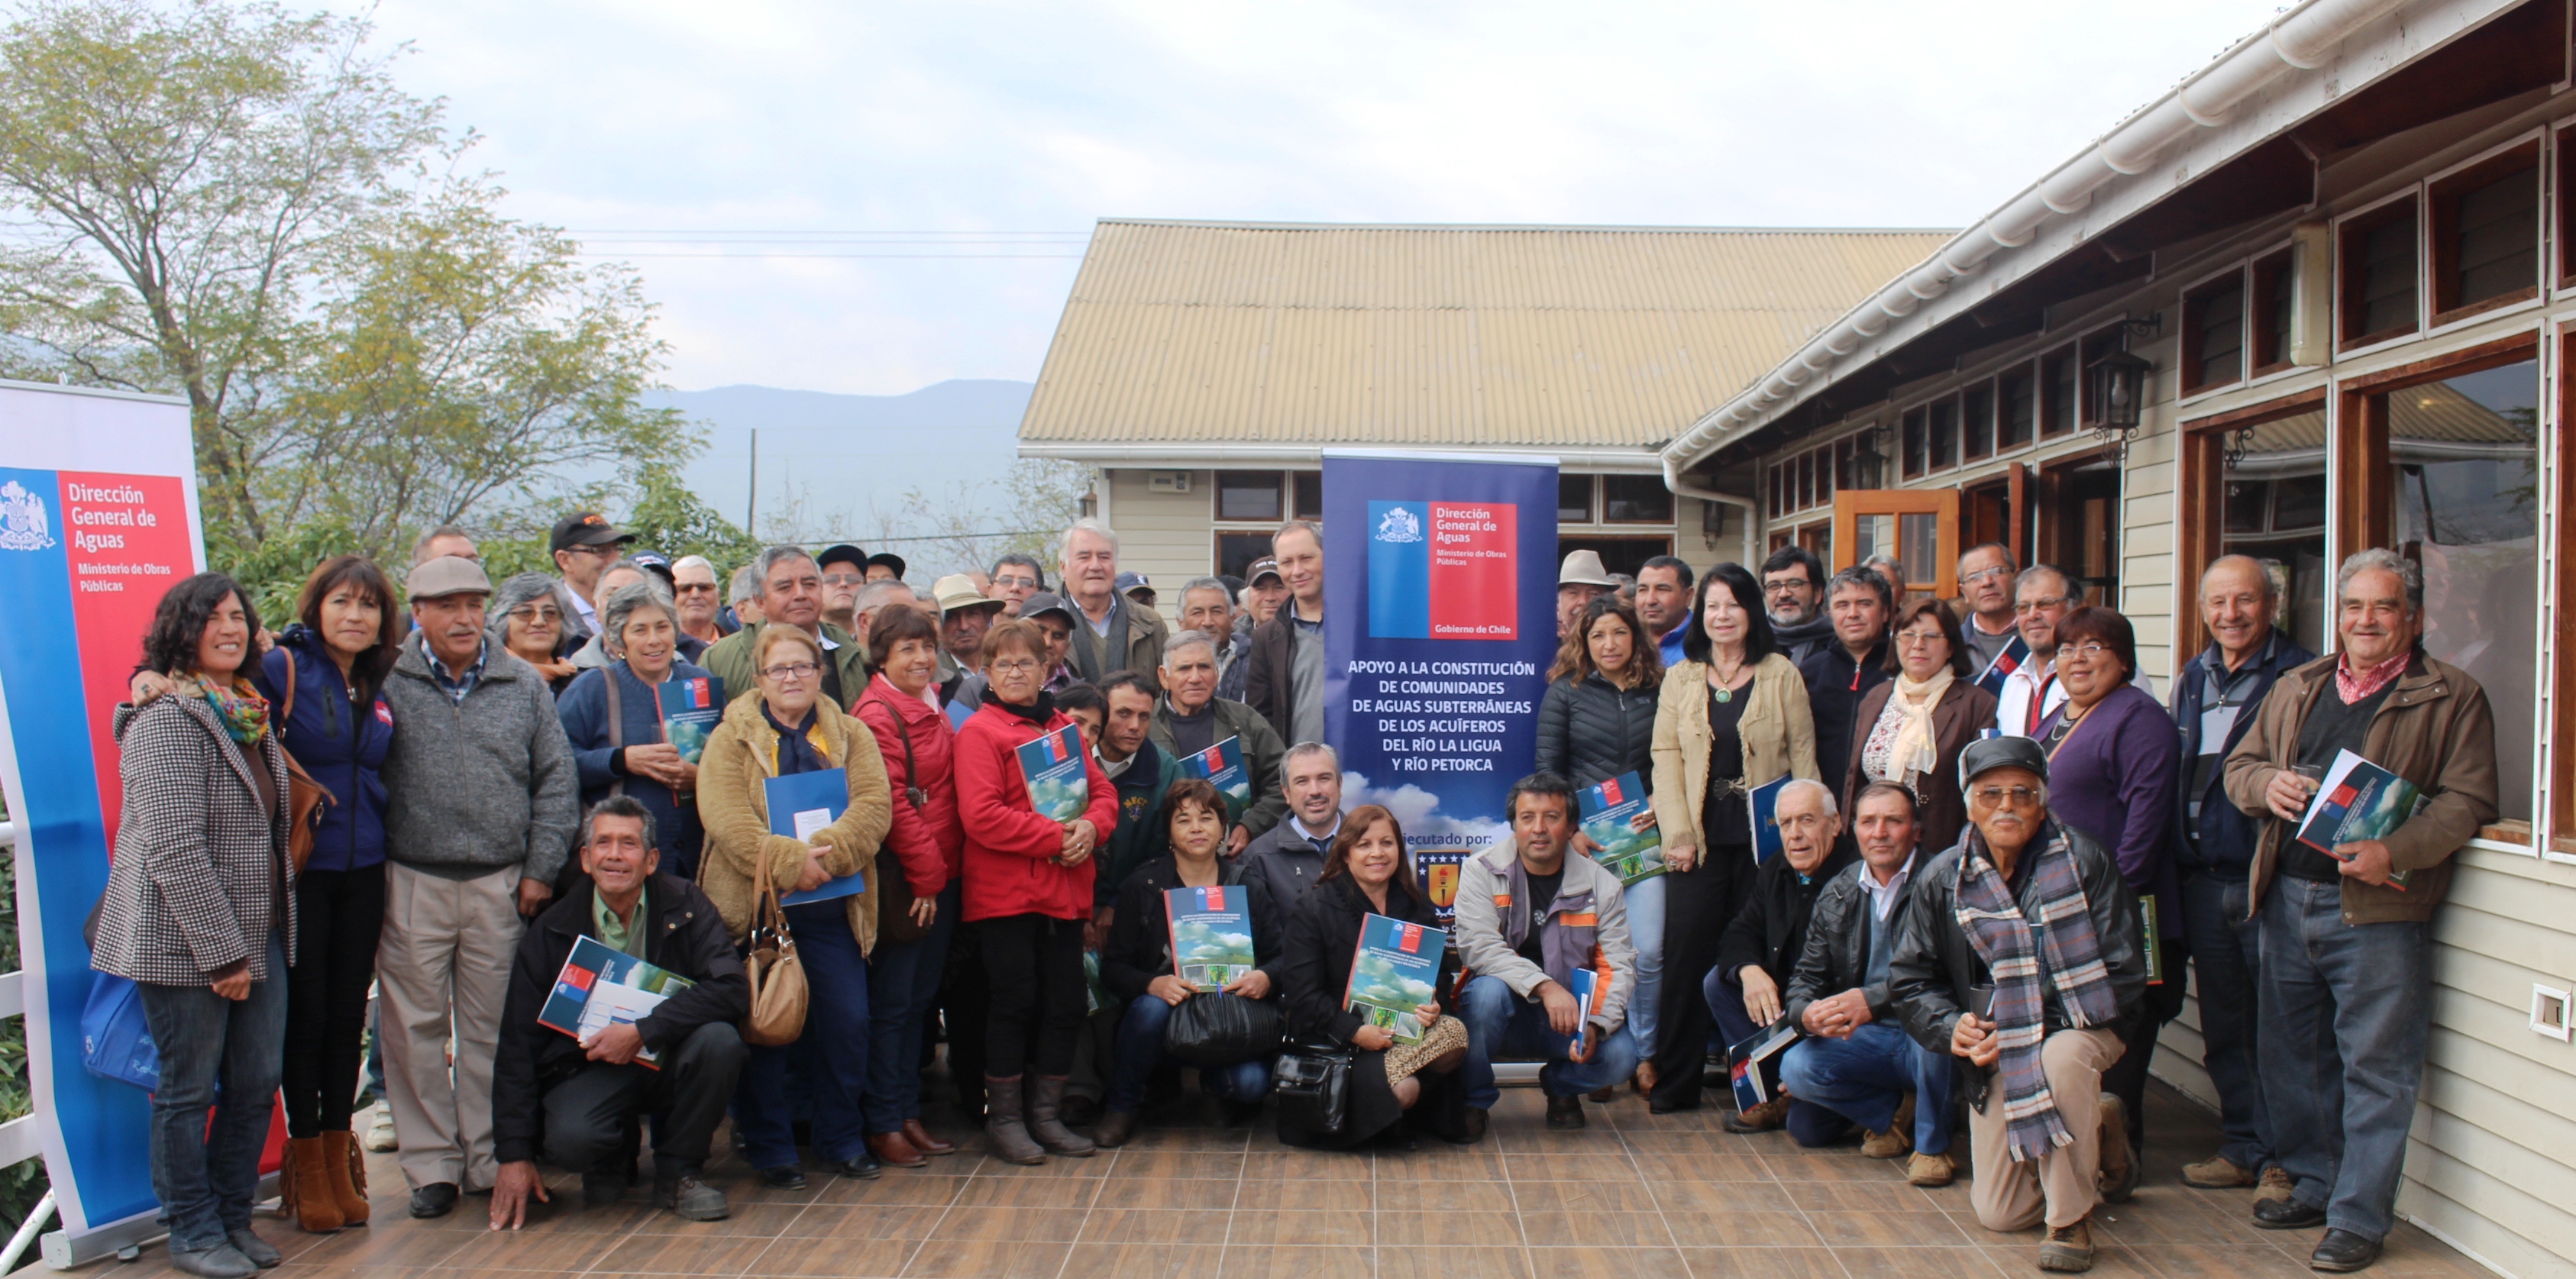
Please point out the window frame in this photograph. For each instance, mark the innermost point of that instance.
(2189, 381)
(1968, 397)
(1591, 498)
(2028, 371)
(1601, 497)
(2442, 192)
(1216, 495)
(2052, 399)
(2348, 228)
(2201, 500)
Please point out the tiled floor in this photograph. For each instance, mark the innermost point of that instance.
(1633, 1197)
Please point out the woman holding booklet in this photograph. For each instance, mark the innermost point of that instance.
(901, 707)
(1158, 956)
(1035, 805)
(1366, 873)
(1596, 724)
(785, 732)
(614, 716)
(1733, 716)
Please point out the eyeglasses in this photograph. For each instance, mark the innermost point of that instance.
(1983, 574)
(1029, 582)
(2033, 606)
(695, 588)
(1012, 665)
(537, 613)
(845, 579)
(2088, 650)
(1914, 639)
(605, 550)
(785, 671)
(1992, 796)
(1776, 586)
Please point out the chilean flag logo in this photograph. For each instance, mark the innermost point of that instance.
(2005, 663)
(1412, 941)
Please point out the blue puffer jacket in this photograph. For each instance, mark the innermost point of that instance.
(583, 708)
(339, 746)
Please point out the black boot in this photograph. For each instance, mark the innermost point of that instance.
(1003, 1129)
(1046, 1124)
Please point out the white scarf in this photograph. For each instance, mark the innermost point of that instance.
(1916, 748)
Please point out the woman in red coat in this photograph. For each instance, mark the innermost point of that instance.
(901, 707)
(1028, 891)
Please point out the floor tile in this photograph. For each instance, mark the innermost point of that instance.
(1143, 1261)
(1883, 1229)
(987, 1260)
(1299, 1263)
(1630, 1195)
(998, 1192)
(1487, 1224)
(518, 1250)
(1119, 1226)
(682, 1255)
(1924, 1263)
(1020, 1225)
(1455, 1262)
(1753, 1229)
(1191, 1165)
(1265, 1228)
(840, 1258)
(865, 1221)
(1119, 1192)
(1615, 1230)
(1308, 1196)
(1762, 1263)
(1607, 1263)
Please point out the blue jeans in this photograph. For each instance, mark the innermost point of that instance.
(832, 1054)
(1500, 1023)
(205, 1176)
(903, 984)
(1140, 1051)
(1835, 1083)
(1645, 901)
(2227, 955)
(1734, 1025)
(2347, 1011)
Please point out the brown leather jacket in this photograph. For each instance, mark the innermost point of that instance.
(2435, 730)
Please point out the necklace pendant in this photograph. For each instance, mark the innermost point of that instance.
(1725, 694)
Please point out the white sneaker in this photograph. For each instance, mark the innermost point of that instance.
(380, 1128)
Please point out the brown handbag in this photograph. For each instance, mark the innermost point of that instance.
(778, 995)
(304, 796)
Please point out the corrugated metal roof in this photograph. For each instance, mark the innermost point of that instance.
(1218, 332)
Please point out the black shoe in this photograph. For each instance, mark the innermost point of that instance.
(437, 1199)
(1660, 1106)
(2286, 1214)
(604, 1186)
(862, 1165)
(783, 1177)
(1564, 1113)
(689, 1197)
(2343, 1250)
(261, 1252)
(1476, 1124)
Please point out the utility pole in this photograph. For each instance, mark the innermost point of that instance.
(751, 496)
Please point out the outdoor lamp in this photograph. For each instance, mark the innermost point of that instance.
(2119, 391)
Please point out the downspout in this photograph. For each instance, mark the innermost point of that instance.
(1673, 480)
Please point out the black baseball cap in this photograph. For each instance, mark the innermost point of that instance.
(843, 554)
(656, 561)
(585, 528)
(1047, 602)
(890, 560)
(1988, 754)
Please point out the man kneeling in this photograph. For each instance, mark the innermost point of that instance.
(1858, 1066)
(1529, 915)
(2033, 1010)
(584, 1096)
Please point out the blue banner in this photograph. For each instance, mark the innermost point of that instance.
(1439, 624)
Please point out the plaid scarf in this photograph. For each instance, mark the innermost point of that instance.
(2065, 948)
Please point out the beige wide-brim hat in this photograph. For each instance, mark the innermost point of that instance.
(957, 591)
(1583, 568)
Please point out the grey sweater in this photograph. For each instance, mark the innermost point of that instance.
(481, 786)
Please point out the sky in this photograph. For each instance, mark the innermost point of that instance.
(869, 198)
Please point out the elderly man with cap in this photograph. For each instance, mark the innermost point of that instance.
(1264, 590)
(2019, 953)
(584, 544)
(1138, 588)
(481, 804)
(845, 570)
(1579, 581)
(885, 566)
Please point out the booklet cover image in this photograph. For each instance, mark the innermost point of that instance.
(691, 708)
(1617, 817)
(1211, 931)
(1395, 971)
(1221, 766)
(1052, 764)
(600, 987)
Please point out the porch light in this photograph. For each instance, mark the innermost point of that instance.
(2119, 391)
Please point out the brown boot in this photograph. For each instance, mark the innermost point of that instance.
(894, 1152)
(1046, 1105)
(1004, 1130)
(305, 1186)
(1762, 1118)
(2068, 1249)
(924, 1142)
(346, 1165)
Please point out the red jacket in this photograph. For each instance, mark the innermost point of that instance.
(927, 840)
(1010, 848)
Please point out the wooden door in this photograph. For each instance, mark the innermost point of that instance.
(1920, 527)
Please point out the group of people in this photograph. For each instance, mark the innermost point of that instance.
(1996, 854)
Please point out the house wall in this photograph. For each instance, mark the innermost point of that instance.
(2491, 1165)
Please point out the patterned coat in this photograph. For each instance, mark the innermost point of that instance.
(199, 875)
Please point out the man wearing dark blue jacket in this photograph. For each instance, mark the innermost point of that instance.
(2213, 703)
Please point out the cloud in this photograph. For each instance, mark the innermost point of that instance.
(1417, 812)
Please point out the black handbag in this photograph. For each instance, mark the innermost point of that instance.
(1216, 1029)
(1314, 1091)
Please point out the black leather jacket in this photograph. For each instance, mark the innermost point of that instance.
(1837, 955)
(1934, 967)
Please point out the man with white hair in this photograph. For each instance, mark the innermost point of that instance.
(1762, 945)
(1113, 633)
(701, 600)
(1192, 719)
(2347, 978)
(742, 598)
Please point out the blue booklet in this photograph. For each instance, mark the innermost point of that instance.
(1764, 803)
(1058, 786)
(2016, 651)
(600, 987)
(1616, 816)
(1744, 1060)
(1221, 765)
(801, 804)
(1437, 871)
(1211, 931)
(1395, 971)
(1590, 988)
(690, 709)
(2359, 800)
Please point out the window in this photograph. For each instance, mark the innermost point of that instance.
(2213, 334)
(2275, 305)
(2486, 234)
(1235, 552)
(1635, 499)
(2377, 251)
(1916, 457)
(1310, 495)
(2266, 468)
(2059, 376)
(1977, 411)
(1573, 499)
(1806, 490)
(1249, 495)
(2016, 390)
(1945, 434)
(1919, 527)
